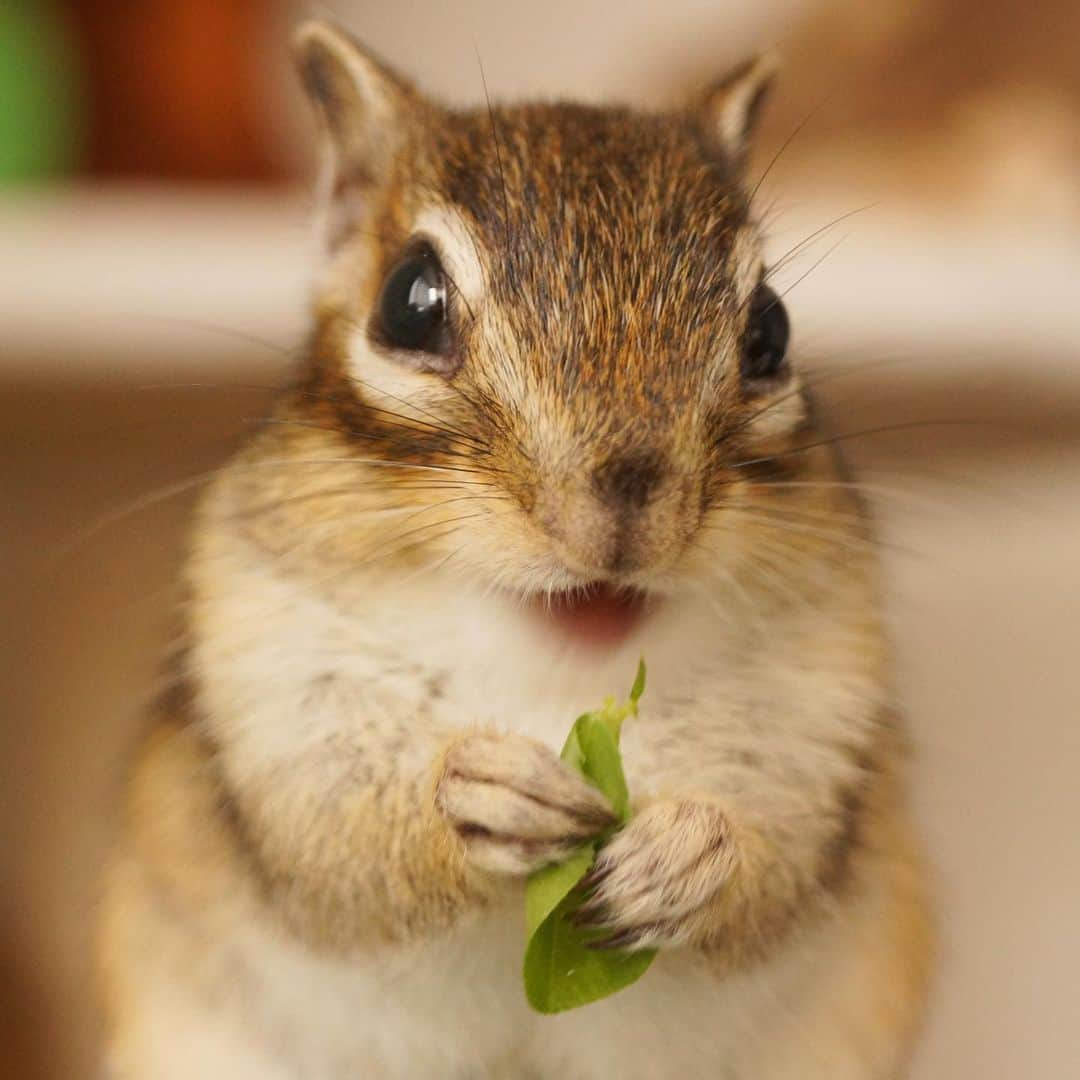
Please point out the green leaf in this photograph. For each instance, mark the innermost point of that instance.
(603, 763)
(560, 971)
(639, 684)
(572, 752)
(551, 885)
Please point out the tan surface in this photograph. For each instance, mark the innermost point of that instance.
(985, 572)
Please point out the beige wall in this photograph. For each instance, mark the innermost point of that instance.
(634, 50)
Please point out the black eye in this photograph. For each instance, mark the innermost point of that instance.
(412, 307)
(767, 333)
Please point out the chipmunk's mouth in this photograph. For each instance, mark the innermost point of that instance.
(597, 614)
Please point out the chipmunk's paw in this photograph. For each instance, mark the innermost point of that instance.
(515, 804)
(650, 883)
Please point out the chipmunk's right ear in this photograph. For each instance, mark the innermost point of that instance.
(363, 106)
(731, 107)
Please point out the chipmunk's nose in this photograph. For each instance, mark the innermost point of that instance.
(626, 514)
(628, 481)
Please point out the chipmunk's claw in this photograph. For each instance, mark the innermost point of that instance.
(653, 881)
(592, 915)
(624, 939)
(594, 878)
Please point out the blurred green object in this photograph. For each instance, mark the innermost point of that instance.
(39, 99)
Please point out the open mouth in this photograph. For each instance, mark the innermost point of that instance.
(597, 614)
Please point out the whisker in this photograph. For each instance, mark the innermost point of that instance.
(783, 148)
(820, 379)
(400, 442)
(784, 259)
(778, 522)
(290, 351)
(844, 520)
(412, 538)
(332, 399)
(498, 154)
(419, 530)
(883, 429)
(873, 491)
(365, 512)
(171, 491)
(437, 422)
(803, 276)
(327, 530)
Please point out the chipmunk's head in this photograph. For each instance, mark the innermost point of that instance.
(548, 325)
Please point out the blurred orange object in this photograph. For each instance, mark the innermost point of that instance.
(176, 88)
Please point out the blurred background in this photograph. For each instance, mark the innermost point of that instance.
(923, 162)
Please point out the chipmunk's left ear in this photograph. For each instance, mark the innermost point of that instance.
(731, 106)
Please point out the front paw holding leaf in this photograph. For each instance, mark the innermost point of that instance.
(652, 879)
(515, 805)
(563, 968)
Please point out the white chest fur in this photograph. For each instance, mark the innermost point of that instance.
(285, 670)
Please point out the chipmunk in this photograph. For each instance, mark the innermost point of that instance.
(547, 424)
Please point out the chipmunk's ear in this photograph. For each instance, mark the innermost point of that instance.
(363, 106)
(731, 106)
